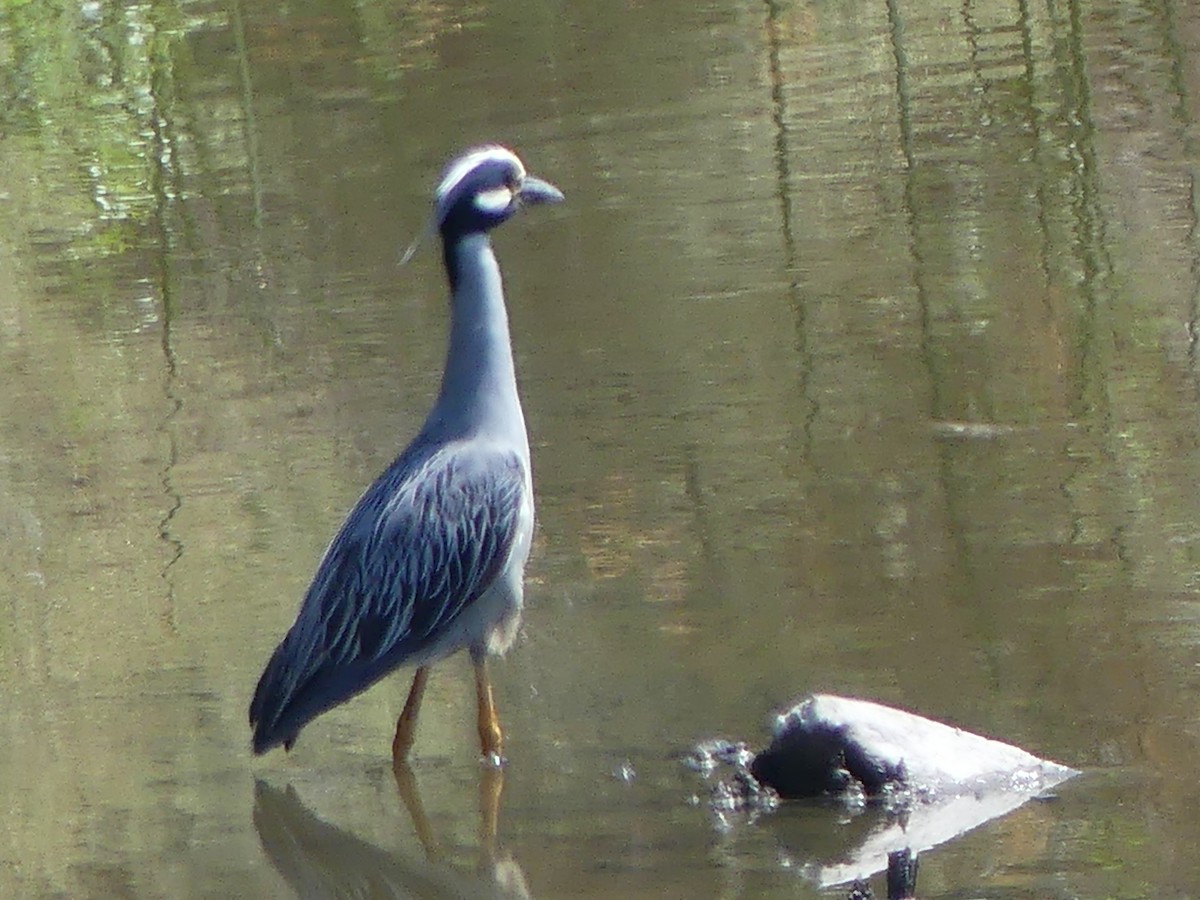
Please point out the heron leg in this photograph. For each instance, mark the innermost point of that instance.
(406, 725)
(491, 738)
(491, 786)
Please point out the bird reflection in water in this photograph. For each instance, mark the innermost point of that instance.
(318, 859)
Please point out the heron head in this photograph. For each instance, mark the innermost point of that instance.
(478, 190)
(485, 186)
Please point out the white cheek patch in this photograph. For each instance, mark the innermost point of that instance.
(495, 201)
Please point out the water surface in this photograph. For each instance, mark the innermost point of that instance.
(861, 359)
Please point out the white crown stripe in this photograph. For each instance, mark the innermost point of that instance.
(466, 164)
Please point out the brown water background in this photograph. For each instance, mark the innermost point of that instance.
(862, 359)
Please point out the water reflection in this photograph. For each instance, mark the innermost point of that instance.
(908, 783)
(320, 860)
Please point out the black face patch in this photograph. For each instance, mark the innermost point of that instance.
(477, 189)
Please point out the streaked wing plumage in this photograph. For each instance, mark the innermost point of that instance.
(423, 543)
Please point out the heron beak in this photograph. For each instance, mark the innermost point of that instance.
(534, 191)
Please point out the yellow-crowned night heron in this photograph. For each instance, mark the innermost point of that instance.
(431, 558)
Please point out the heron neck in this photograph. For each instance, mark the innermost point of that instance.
(479, 387)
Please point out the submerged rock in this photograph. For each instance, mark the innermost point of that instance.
(738, 791)
(906, 782)
(707, 756)
(828, 746)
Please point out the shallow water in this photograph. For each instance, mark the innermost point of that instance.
(860, 359)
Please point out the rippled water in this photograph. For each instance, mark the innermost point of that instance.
(861, 359)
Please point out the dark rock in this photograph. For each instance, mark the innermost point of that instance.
(826, 745)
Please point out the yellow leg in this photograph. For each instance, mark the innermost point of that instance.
(406, 725)
(491, 785)
(491, 739)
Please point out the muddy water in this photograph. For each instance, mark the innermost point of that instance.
(860, 359)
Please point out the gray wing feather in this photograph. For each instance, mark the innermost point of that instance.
(422, 543)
